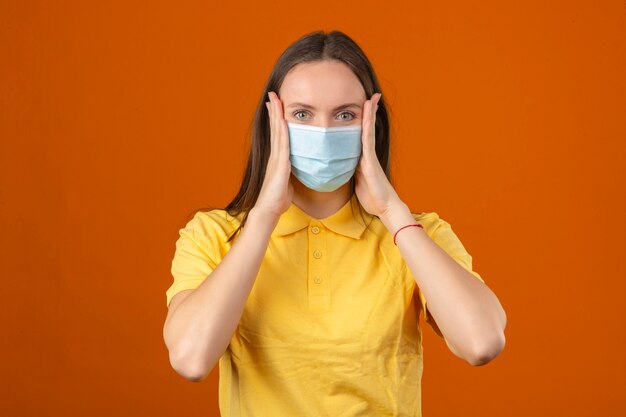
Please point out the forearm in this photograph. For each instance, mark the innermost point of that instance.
(202, 326)
(466, 311)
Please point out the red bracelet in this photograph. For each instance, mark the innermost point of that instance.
(408, 225)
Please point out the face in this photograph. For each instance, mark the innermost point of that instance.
(323, 93)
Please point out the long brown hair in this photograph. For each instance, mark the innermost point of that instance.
(315, 46)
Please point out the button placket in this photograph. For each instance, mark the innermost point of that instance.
(318, 285)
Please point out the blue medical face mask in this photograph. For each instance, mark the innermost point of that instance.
(324, 158)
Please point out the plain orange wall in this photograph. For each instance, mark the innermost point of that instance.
(117, 120)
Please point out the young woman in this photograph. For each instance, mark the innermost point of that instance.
(308, 286)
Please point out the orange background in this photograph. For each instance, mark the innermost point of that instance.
(117, 120)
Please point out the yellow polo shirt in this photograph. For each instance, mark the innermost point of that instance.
(331, 325)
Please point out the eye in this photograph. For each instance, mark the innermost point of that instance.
(352, 115)
(349, 113)
(298, 112)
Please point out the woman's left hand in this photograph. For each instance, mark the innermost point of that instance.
(372, 187)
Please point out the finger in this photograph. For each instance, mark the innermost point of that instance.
(379, 96)
(375, 100)
(277, 130)
(278, 107)
(272, 112)
(283, 130)
(367, 130)
(374, 109)
(273, 145)
(283, 145)
(269, 109)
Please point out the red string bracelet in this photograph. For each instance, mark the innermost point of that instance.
(403, 227)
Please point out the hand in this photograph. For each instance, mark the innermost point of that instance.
(277, 190)
(372, 187)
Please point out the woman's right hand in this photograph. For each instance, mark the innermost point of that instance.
(277, 190)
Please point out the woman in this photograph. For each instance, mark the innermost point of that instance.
(308, 287)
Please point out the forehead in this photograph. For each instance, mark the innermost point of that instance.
(321, 83)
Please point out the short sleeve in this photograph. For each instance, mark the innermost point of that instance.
(441, 233)
(195, 256)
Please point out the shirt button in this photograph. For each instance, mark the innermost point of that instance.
(317, 254)
(318, 280)
(315, 229)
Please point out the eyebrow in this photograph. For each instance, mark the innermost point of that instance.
(308, 106)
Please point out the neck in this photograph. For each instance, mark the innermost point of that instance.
(316, 204)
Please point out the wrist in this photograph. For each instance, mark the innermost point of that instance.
(396, 216)
(262, 216)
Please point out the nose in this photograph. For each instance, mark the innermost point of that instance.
(327, 121)
(324, 122)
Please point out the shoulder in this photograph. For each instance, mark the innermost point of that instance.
(441, 232)
(438, 229)
(430, 220)
(212, 225)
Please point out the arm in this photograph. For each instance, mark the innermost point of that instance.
(199, 328)
(466, 311)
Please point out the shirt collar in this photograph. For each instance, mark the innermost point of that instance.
(343, 221)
